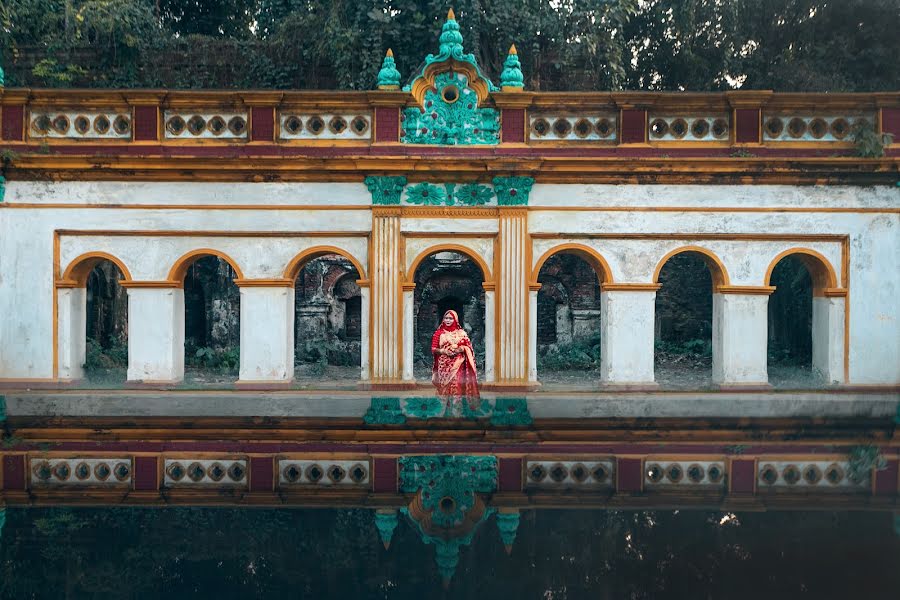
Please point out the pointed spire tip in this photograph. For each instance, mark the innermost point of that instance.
(451, 16)
(389, 53)
(512, 49)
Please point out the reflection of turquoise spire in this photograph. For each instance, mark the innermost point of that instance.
(388, 76)
(2, 77)
(386, 522)
(511, 79)
(451, 39)
(2, 522)
(508, 524)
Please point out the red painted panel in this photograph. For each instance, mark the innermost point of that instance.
(146, 475)
(890, 122)
(510, 474)
(384, 475)
(634, 125)
(886, 480)
(146, 123)
(387, 124)
(743, 476)
(262, 127)
(746, 126)
(13, 127)
(512, 125)
(14, 472)
(262, 474)
(630, 475)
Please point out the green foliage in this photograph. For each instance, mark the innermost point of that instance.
(802, 45)
(580, 355)
(869, 143)
(692, 347)
(98, 358)
(225, 360)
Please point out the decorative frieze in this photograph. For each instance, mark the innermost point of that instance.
(500, 412)
(324, 472)
(324, 126)
(573, 128)
(809, 474)
(205, 125)
(548, 473)
(450, 115)
(703, 128)
(181, 472)
(669, 473)
(76, 471)
(108, 125)
(506, 191)
(812, 128)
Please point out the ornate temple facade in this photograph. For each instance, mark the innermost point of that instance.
(153, 180)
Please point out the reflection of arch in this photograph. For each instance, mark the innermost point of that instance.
(299, 261)
(179, 269)
(820, 270)
(468, 252)
(716, 267)
(586, 253)
(80, 268)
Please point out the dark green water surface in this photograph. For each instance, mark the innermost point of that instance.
(226, 553)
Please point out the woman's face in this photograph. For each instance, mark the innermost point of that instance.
(448, 320)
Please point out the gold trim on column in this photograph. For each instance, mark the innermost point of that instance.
(262, 282)
(750, 290)
(629, 287)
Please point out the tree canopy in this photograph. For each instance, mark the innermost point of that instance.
(699, 45)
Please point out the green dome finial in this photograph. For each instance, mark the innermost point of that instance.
(388, 76)
(2, 77)
(451, 39)
(511, 79)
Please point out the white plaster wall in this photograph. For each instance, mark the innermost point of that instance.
(152, 257)
(441, 225)
(26, 242)
(746, 261)
(128, 193)
(827, 338)
(71, 328)
(155, 334)
(626, 337)
(740, 339)
(267, 334)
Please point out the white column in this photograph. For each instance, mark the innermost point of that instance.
(532, 333)
(740, 338)
(626, 334)
(267, 333)
(490, 315)
(409, 329)
(71, 310)
(155, 334)
(385, 269)
(364, 372)
(828, 337)
(512, 281)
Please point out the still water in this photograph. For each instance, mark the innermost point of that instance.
(337, 553)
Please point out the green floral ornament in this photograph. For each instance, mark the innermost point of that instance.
(426, 194)
(385, 190)
(513, 191)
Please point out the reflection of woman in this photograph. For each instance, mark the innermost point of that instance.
(454, 373)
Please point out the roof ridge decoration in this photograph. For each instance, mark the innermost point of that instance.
(449, 90)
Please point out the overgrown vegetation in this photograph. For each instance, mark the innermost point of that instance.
(580, 355)
(97, 358)
(863, 461)
(869, 143)
(802, 45)
(224, 360)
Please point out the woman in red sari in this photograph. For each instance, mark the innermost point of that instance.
(454, 374)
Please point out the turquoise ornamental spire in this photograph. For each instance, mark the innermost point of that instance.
(451, 39)
(388, 76)
(511, 79)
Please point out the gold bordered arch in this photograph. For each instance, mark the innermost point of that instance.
(468, 252)
(714, 263)
(586, 253)
(76, 274)
(299, 261)
(824, 277)
(179, 269)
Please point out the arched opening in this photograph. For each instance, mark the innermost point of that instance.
(683, 328)
(106, 323)
(799, 319)
(447, 280)
(212, 318)
(327, 318)
(568, 318)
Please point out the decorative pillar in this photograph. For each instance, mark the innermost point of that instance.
(627, 313)
(740, 335)
(267, 330)
(512, 278)
(364, 368)
(71, 308)
(533, 289)
(490, 314)
(155, 331)
(409, 329)
(828, 335)
(385, 268)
